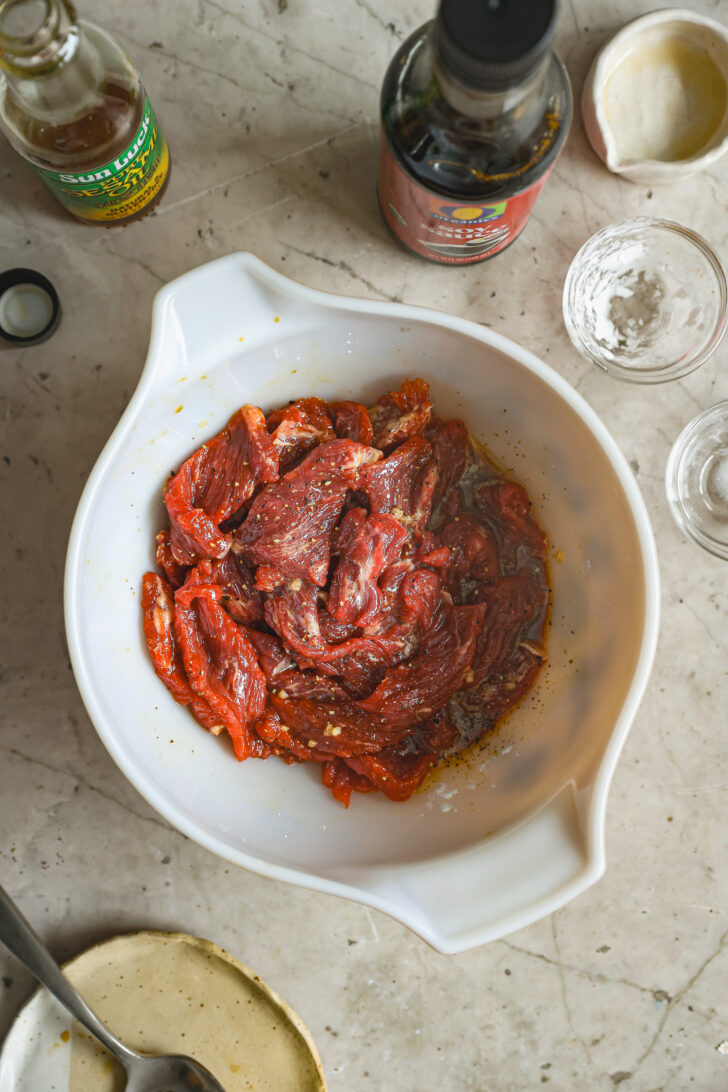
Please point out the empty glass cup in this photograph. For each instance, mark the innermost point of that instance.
(696, 480)
(646, 300)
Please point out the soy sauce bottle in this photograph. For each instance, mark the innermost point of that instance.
(475, 109)
(73, 105)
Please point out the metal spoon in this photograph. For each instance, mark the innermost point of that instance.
(144, 1072)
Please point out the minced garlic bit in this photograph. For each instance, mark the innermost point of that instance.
(216, 729)
(312, 743)
(282, 694)
(332, 730)
(469, 678)
(296, 584)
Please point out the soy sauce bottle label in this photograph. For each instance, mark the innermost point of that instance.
(443, 229)
(124, 186)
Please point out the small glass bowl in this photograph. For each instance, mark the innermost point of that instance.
(696, 480)
(646, 300)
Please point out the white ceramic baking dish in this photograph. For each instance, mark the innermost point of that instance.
(488, 845)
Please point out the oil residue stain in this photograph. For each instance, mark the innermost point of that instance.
(665, 100)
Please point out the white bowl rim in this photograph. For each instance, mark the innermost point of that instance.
(594, 824)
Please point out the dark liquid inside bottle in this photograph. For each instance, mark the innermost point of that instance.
(471, 146)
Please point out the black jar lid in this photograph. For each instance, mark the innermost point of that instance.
(29, 307)
(492, 45)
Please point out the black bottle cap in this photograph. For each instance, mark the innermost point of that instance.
(29, 307)
(492, 45)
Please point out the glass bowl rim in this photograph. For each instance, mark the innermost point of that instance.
(674, 497)
(678, 369)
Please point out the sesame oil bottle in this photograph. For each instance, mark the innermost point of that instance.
(73, 106)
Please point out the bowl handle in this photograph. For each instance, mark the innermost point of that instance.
(213, 313)
(502, 884)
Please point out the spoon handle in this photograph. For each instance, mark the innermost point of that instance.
(18, 937)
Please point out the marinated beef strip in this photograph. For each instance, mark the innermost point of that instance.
(395, 771)
(240, 597)
(158, 608)
(221, 664)
(173, 571)
(366, 544)
(215, 482)
(289, 524)
(299, 427)
(401, 413)
(410, 693)
(450, 452)
(397, 485)
(352, 422)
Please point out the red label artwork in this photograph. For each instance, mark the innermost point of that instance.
(444, 230)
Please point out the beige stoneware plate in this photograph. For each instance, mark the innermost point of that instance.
(162, 992)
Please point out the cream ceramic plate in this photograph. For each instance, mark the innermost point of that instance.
(162, 992)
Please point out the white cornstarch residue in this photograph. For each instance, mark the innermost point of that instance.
(446, 793)
(627, 302)
(639, 309)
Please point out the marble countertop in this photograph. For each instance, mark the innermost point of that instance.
(270, 108)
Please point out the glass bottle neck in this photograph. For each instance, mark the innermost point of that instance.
(48, 62)
(483, 105)
(36, 37)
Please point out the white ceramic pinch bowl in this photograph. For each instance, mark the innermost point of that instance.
(655, 100)
(489, 844)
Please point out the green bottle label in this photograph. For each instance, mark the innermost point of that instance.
(122, 187)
